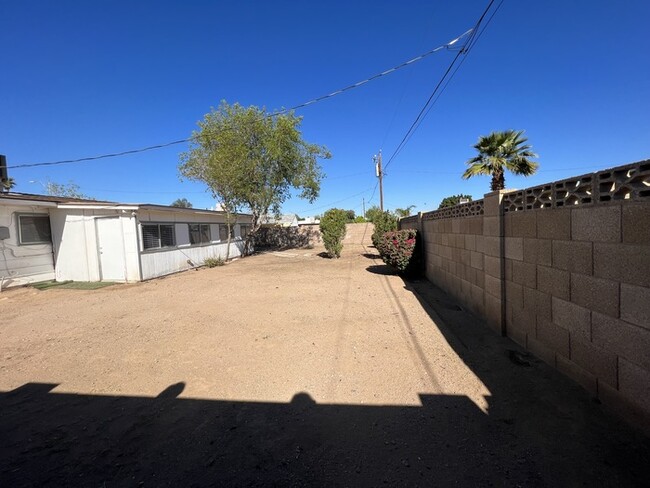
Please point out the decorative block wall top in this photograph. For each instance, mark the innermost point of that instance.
(469, 209)
(629, 182)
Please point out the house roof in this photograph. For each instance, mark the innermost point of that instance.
(67, 201)
(52, 199)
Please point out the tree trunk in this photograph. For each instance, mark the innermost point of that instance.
(498, 181)
(229, 224)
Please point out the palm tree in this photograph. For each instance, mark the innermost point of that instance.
(8, 184)
(404, 212)
(500, 151)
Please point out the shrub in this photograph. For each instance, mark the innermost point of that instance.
(397, 248)
(332, 229)
(384, 222)
(212, 262)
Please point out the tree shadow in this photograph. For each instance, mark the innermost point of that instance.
(371, 255)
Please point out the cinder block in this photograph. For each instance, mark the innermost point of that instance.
(539, 302)
(514, 295)
(626, 263)
(553, 336)
(524, 319)
(492, 204)
(577, 374)
(514, 248)
(596, 223)
(493, 286)
(634, 383)
(445, 239)
(524, 273)
(538, 251)
(576, 319)
(554, 224)
(520, 224)
(477, 294)
(470, 242)
(573, 256)
(491, 245)
(595, 294)
(492, 266)
(465, 256)
(541, 350)
(479, 278)
(492, 226)
(455, 226)
(476, 259)
(599, 362)
(518, 336)
(480, 244)
(554, 281)
(626, 340)
(636, 223)
(476, 225)
(635, 305)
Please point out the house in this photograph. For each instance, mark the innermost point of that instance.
(286, 220)
(45, 238)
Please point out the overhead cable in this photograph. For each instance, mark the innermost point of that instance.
(448, 45)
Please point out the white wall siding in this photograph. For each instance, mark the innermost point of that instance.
(20, 265)
(160, 263)
(75, 238)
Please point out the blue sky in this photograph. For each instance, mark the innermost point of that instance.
(86, 78)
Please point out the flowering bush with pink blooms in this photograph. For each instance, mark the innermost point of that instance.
(397, 248)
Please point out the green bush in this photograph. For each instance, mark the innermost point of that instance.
(332, 229)
(384, 222)
(212, 262)
(397, 248)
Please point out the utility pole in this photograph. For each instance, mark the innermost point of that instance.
(363, 202)
(380, 175)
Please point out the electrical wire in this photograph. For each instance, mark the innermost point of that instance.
(441, 83)
(276, 113)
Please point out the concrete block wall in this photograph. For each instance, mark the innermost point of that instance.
(578, 296)
(565, 275)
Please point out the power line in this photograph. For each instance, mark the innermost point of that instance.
(334, 203)
(428, 104)
(279, 112)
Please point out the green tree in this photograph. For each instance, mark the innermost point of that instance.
(500, 151)
(350, 215)
(250, 159)
(70, 190)
(404, 212)
(373, 213)
(182, 203)
(7, 184)
(332, 229)
(454, 200)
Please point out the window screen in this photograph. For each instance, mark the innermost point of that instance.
(244, 230)
(156, 236)
(199, 233)
(223, 232)
(34, 229)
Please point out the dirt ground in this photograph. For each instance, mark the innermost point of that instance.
(287, 369)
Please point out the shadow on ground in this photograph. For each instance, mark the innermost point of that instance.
(540, 430)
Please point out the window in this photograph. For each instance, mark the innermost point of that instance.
(244, 230)
(157, 236)
(223, 232)
(34, 229)
(199, 233)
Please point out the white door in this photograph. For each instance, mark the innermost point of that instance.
(110, 245)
